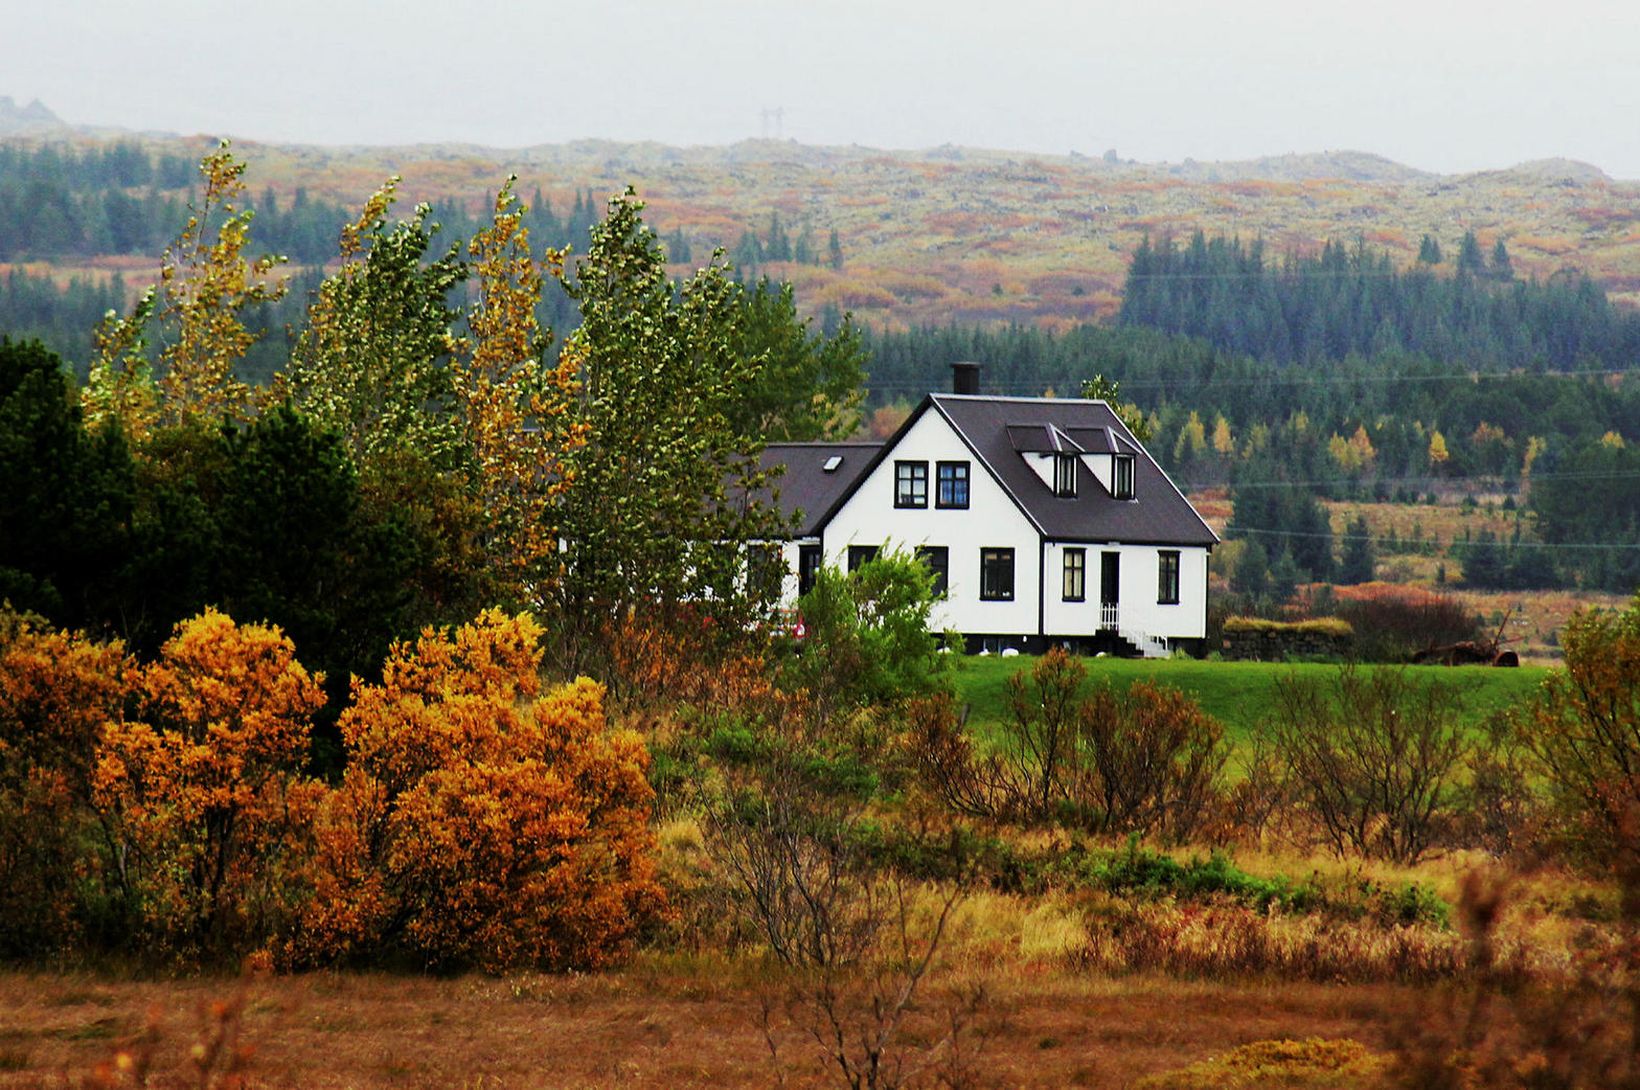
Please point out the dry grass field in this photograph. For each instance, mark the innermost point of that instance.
(693, 1016)
(656, 1024)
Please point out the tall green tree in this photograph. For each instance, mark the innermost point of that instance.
(1287, 517)
(372, 364)
(660, 504)
(1471, 261)
(66, 496)
(808, 386)
(1359, 555)
(298, 549)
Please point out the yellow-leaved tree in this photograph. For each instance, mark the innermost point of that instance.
(516, 408)
(206, 283)
(481, 822)
(201, 796)
(57, 690)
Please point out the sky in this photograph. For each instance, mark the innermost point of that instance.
(1435, 84)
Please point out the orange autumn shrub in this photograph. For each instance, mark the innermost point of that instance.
(481, 822)
(200, 793)
(57, 690)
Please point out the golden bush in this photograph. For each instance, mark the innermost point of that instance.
(480, 821)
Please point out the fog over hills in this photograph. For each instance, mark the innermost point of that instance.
(35, 119)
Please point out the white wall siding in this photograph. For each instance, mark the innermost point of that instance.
(1138, 583)
(991, 520)
(789, 553)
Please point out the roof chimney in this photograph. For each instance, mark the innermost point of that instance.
(965, 377)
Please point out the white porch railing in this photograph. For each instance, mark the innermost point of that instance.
(1109, 615)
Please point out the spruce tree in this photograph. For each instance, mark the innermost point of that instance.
(1471, 262)
(1356, 565)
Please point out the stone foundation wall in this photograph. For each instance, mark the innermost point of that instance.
(1277, 645)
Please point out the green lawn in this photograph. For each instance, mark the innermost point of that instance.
(1238, 694)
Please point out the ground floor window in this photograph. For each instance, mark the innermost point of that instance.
(764, 573)
(859, 554)
(1167, 577)
(808, 567)
(937, 558)
(996, 575)
(1075, 583)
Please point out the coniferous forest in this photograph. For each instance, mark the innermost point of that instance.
(1336, 371)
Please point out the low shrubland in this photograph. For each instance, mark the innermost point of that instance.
(848, 849)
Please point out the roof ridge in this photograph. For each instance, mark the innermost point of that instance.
(1031, 400)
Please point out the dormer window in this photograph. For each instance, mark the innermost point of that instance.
(1064, 475)
(1122, 478)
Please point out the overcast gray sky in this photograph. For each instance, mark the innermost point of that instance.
(1440, 85)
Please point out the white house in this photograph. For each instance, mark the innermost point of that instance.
(1044, 520)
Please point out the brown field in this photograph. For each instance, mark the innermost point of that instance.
(652, 1025)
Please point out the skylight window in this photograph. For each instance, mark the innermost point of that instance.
(832, 463)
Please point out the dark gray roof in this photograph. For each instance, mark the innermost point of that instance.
(806, 486)
(995, 427)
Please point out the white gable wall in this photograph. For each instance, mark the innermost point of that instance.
(1103, 469)
(991, 520)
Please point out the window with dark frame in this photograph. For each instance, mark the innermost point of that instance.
(860, 554)
(765, 573)
(996, 575)
(937, 558)
(1075, 584)
(808, 568)
(1122, 478)
(910, 484)
(951, 484)
(1064, 475)
(1167, 577)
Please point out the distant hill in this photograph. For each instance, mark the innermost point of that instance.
(34, 118)
(967, 234)
(1354, 166)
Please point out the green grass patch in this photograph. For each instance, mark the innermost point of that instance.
(1238, 694)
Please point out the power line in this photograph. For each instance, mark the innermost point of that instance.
(1300, 380)
(1378, 540)
(1482, 479)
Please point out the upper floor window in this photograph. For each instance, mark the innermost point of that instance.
(1064, 474)
(996, 575)
(937, 558)
(1167, 577)
(951, 484)
(1122, 477)
(910, 484)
